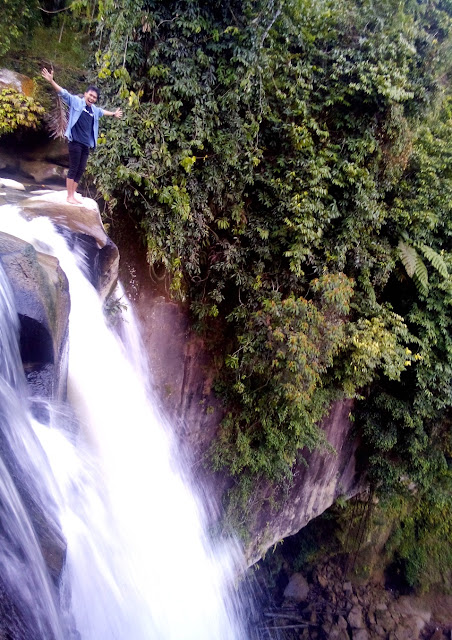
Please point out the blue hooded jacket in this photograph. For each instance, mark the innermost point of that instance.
(76, 106)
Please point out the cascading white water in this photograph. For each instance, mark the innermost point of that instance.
(28, 608)
(138, 565)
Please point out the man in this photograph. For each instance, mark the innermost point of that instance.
(82, 130)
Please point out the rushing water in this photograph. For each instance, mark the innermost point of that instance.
(23, 573)
(138, 563)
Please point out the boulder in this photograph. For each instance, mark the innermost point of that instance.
(53, 151)
(82, 226)
(17, 81)
(7, 161)
(316, 485)
(42, 299)
(43, 172)
(355, 617)
(297, 589)
(12, 184)
(335, 632)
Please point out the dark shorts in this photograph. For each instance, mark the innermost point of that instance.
(78, 157)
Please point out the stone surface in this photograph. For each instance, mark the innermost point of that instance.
(52, 151)
(17, 81)
(43, 172)
(335, 633)
(355, 617)
(42, 298)
(348, 608)
(12, 184)
(316, 485)
(84, 224)
(297, 589)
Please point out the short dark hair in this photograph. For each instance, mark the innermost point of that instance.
(93, 88)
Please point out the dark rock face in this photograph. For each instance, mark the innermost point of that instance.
(325, 477)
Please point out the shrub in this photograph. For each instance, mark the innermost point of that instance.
(18, 111)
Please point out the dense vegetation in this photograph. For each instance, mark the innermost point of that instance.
(290, 164)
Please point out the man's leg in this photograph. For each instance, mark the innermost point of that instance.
(83, 160)
(71, 186)
(75, 152)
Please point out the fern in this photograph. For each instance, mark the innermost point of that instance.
(57, 119)
(408, 256)
(415, 267)
(420, 275)
(435, 260)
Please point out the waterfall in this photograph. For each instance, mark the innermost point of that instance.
(23, 574)
(138, 565)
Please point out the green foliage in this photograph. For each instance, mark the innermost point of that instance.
(406, 425)
(287, 344)
(18, 111)
(268, 150)
(52, 39)
(421, 541)
(415, 266)
(374, 347)
(17, 19)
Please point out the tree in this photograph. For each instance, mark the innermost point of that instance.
(17, 19)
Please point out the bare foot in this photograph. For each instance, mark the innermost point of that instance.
(80, 199)
(73, 201)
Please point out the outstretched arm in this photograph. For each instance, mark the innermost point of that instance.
(48, 75)
(116, 114)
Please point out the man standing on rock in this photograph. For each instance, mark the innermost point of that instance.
(82, 130)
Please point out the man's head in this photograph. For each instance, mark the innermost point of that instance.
(91, 95)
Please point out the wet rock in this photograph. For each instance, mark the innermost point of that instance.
(297, 589)
(85, 228)
(17, 81)
(44, 171)
(335, 632)
(11, 184)
(41, 294)
(347, 588)
(384, 620)
(360, 634)
(355, 617)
